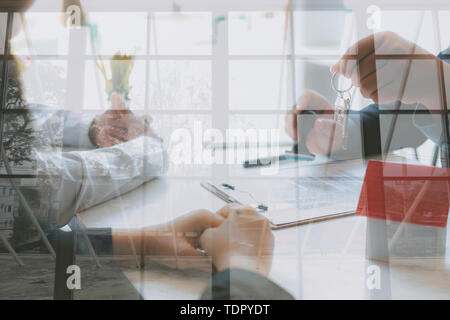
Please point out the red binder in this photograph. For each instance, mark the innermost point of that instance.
(405, 193)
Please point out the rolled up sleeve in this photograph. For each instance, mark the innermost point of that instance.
(74, 181)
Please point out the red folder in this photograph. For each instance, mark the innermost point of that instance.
(405, 193)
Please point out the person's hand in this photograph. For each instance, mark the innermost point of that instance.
(319, 140)
(181, 236)
(382, 80)
(243, 240)
(118, 125)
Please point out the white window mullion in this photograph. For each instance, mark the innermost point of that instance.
(76, 69)
(220, 75)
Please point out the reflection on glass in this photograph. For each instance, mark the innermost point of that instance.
(44, 82)
(118, 31)
(416, 26)
(180, 84)
(256, 32)
(3, 19)
(323, 32)
(181, 33)
(258, 84)
(40, 33)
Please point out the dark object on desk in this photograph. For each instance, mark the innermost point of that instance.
(305, 123)
(238, 284)
(299, 151)
(267, 162)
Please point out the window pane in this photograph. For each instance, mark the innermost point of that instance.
(181, 33)
(180, 84)
(118, 31)
(323, 32)
(44, 82)
(43, 34)
(416, 26)
(256, 32)
(258, 84)
(3, 19)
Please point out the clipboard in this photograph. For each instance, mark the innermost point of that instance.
(264, 210)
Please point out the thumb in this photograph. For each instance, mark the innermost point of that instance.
(334, 68)
(327, 127)
(117, 102)
(215, 220)
(201, 220)
(205, 240)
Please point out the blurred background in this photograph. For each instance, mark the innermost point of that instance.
(224, 64)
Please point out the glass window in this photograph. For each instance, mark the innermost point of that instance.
(180, 84)
(181, 33)
(112, 32)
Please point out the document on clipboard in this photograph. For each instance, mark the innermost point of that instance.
(317, 193)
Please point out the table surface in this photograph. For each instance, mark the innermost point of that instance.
(325, 260)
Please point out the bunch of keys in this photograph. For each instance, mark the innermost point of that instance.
(342, 108)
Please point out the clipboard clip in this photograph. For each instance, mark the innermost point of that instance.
(260, 207)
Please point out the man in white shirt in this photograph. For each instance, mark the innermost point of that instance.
(112, 153)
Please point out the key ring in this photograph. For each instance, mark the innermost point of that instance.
(339, 91)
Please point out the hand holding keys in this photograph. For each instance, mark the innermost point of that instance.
(342, 108)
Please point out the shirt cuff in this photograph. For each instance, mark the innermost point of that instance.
(76, 132)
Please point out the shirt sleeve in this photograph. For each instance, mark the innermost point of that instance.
(432, 125)
(76, 130)
(69, 128)
(369, 128)
(429, 125)
(74, 181)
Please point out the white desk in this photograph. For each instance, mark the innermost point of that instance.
(318, 261)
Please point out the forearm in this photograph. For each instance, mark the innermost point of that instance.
(141, 241)
(153, 241)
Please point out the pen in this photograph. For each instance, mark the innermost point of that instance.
(222, 195)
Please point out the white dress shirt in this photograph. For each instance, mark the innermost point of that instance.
(70, 181)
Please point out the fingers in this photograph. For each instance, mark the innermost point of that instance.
(117, 129)
(198, 221)
(304, 101)
(235, 208)
(171, 245)
(147, 119)
(117, 102)
(290, 123)
(206, 239)
(309, 100)
(325, 137)
(358, 62)
(104, 139)
(185, 248)
(359, 51)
